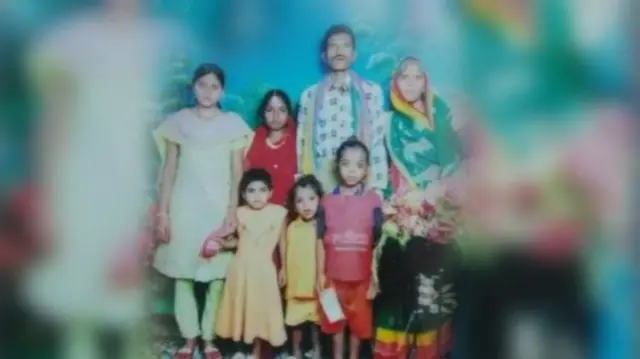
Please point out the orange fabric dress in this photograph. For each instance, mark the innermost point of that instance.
(251, 304)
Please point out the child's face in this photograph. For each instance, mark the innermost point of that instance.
(257, 194)
(307, 202)
(353, 166)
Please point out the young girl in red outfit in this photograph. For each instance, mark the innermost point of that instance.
(348, 227)
(274, 144)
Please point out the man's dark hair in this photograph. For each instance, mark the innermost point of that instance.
(335, 30)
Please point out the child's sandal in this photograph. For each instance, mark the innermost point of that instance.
(185, 353)
(212, 353)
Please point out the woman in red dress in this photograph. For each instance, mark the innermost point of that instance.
(274, 144)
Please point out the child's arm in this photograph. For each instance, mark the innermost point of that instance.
(282, 245)
(282, 251)
(320, 229)
(167, 179)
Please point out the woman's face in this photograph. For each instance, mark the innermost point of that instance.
(276, 114)
(208, 90)
(411, 81)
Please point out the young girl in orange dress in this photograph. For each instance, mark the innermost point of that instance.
(251, 307)
(274, 146)
(302, 234)
(349, 224)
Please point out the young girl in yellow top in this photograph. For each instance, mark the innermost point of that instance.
(302, 305)
(251, 307)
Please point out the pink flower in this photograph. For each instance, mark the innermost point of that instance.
(388, 210)
(426, 209)
(441, 232)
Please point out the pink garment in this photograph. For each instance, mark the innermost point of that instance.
(215, 240)
(348, 239)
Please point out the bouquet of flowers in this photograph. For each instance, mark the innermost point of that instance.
(431, 213)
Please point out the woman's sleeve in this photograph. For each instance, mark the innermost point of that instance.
(320, 223)
(168, 131)
(241, 135)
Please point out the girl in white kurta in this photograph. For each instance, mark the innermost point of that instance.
(202, 149)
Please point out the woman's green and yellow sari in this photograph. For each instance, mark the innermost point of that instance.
(422, 148)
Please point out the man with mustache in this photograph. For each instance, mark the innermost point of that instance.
(340, 106)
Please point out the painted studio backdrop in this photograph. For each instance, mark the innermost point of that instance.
(276, 44)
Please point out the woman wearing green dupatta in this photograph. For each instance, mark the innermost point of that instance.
(423, 148)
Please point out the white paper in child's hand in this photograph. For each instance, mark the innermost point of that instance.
(331, 306)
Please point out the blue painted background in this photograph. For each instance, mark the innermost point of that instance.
(276, 43)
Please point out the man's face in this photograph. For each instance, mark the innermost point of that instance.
(339, 53)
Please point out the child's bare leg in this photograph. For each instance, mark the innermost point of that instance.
(257, 349)
(338, 345)
(297, 342)
(354, 347)
(315, 339)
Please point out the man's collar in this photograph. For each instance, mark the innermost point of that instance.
(343, 86)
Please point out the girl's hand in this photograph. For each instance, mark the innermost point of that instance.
(373, 290)
(282, 278)
(163, 227)
(209, 248)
